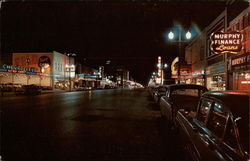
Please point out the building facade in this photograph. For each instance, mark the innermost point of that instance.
(48, 69)
(87, 77)
(239, 64)
(195, 57)
(219, 71)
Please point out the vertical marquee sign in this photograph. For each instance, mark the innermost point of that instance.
(226, 42)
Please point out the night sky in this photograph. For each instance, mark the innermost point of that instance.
(129, 33)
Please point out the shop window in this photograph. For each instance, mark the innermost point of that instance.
(242, 81)
(217, 83)
(217, 120)
(204, 110)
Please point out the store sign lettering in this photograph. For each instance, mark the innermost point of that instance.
(238, 61)
(226, 42)
(12, 68)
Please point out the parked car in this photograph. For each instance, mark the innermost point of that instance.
(20, 90)
(159, 92)
(152, 90)
(185, 96)
(9, 87)
(83, 88)
(219, 129)
(32, 89)
(46, 88)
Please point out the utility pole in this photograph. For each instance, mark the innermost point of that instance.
(180, 56)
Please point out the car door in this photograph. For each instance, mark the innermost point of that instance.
(230, 144)
(161, 92)
(211, 124)
(195, 128)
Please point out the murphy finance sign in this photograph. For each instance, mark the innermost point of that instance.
(226, 42)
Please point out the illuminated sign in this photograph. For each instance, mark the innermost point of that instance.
(44, 62)
(174, 69)
(12, 68)
(240, 62)
(223, 42)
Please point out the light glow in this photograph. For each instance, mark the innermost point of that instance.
(171, 35)
(245, 82)
(188, 35)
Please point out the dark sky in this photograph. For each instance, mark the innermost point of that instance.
(129, 33)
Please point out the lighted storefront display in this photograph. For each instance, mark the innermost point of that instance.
(242, 80)
(239, 63)
(240, 69)
(10, 74)
(216, 82)
(198, 78)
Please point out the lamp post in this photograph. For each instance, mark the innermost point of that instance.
(28, 62)
(161, 66)
(171, 36)
(68, 68)
(70, 65)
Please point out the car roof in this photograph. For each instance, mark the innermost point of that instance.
(186, 86)
(238, 102)
(163, 86)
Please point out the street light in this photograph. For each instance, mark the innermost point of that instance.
(161, 67)
(171, 37)
(188, 35)
(68, 68)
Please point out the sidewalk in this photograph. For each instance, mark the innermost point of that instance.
(10, 94)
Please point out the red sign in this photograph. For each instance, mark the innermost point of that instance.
(226, 42)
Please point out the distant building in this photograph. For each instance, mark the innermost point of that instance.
(51, 69)
(87, 77)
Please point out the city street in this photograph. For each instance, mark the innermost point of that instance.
(99, 125)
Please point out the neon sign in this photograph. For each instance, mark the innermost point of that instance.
(173, 66)
(226, 42)
(16, 69)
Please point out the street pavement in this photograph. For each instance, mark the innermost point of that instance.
(100, 125)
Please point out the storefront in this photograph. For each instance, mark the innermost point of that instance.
(54, 68)
(239, 68)
(216, 77)
(10, 74)
(198, 80)
(216, 82)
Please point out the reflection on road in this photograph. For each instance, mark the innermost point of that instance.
(86, 125)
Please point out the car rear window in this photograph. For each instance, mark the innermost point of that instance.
(188, 92)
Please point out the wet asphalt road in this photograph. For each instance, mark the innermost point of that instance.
(101, 125)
